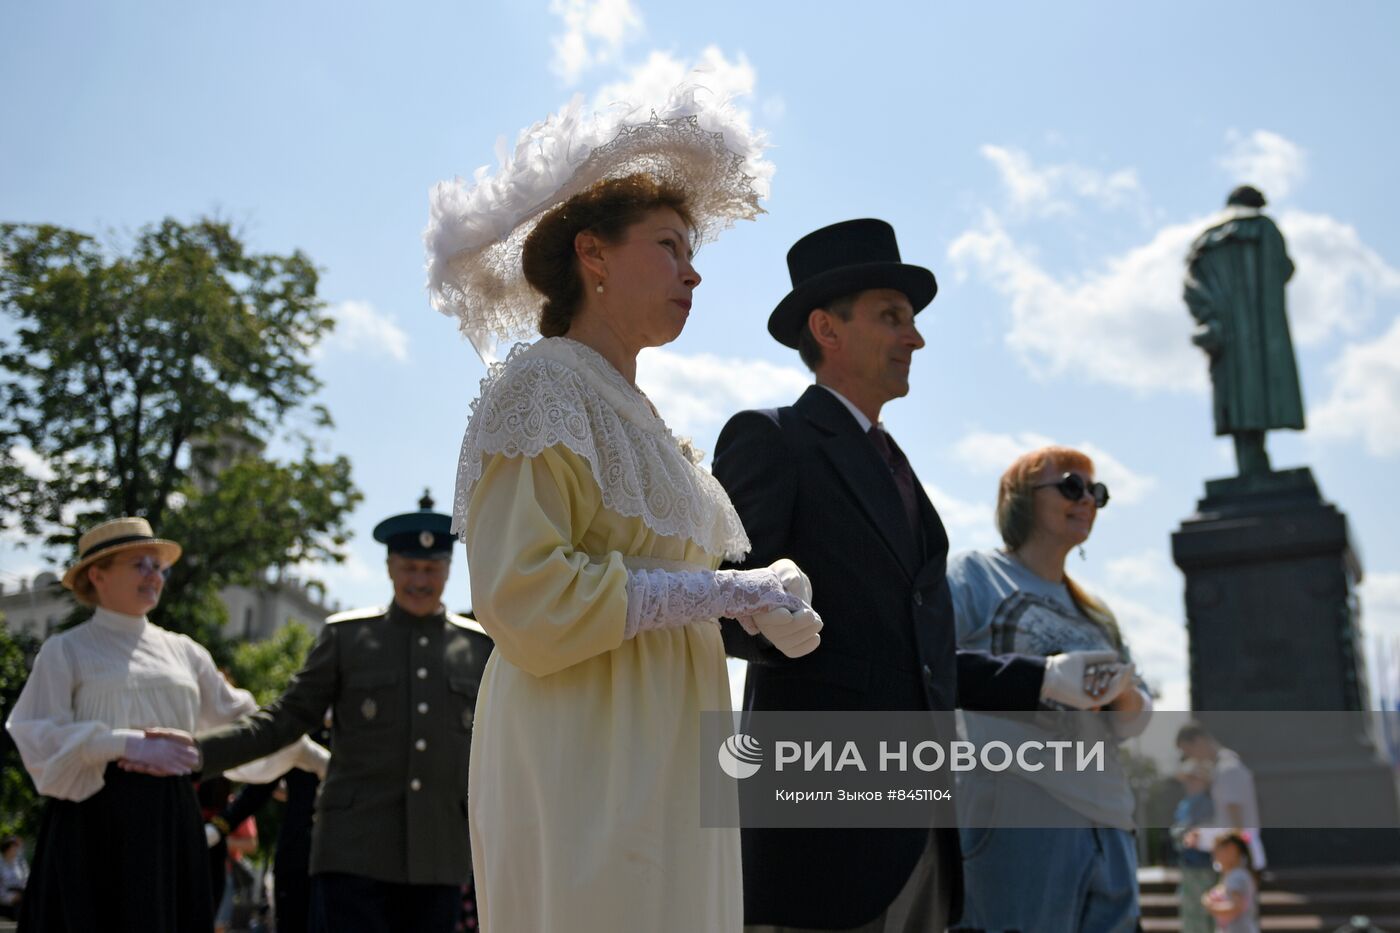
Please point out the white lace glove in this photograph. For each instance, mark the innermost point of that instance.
(159, 756)
(212, 835)
(1085, 679)
(669, 598)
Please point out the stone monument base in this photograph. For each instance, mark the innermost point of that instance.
(1273, 624)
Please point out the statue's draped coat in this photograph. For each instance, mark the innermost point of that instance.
(1235, 279)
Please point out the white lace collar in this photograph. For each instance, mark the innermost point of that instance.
(559, 392)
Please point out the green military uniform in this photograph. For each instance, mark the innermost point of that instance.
(393, 807)
(394, 803)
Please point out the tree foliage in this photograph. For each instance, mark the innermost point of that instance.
(264, 668)
(149, 381)
(19, 802)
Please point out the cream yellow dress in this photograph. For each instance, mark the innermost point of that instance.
(584, 791)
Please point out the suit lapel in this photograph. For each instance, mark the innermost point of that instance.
(934, 560)
(863, 472)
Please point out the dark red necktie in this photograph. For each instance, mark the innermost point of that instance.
(901, 471)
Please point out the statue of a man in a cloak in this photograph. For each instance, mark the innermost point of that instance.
(1235, 276)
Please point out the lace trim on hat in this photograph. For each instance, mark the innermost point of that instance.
(559, 392)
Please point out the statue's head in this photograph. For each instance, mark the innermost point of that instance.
(1245, 196)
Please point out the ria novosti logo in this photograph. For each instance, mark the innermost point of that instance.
(740, 756)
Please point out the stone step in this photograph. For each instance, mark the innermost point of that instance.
(1298, 880)
(1302, 923)
(1289, 903)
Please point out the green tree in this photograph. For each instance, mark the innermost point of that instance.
(149, 381)
(264, 668)
(19, 803)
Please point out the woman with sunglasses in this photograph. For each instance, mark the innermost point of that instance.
(122, 846)
(1019, 599)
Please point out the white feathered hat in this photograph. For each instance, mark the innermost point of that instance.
(476, 232)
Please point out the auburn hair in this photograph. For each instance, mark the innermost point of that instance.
(605, 209)
(1016, 518)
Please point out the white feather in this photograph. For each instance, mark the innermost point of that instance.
(476, 231)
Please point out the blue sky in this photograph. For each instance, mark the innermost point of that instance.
(1050, 163)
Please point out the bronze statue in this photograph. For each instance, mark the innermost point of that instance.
(1235, 276)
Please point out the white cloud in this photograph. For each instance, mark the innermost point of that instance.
(1365, 399)
(1124, 323)
(649, 84)
(1050, 190)
(989, 453)
(1339, 278)
(1143, 569)
(594, 33)
(696, 394)
(1131, 302)
(360, 328)
(1265, 160)
(969, 524)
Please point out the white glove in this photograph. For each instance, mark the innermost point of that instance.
(659, 599)
(792, 633)
(1085, 679)
(212, 835)
(312, 757)
(794, 580)
(159, 756)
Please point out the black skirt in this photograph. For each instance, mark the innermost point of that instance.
(131, 858)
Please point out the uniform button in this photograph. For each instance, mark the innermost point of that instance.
(422, 673)
(415, 784)
(422, 707)
(421, 744)
(423, 640)
(918, 599)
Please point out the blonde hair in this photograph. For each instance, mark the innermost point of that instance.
(1016, 519)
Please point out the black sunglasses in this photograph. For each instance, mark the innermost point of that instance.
(1073, 488)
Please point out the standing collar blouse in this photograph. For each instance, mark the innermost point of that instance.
(118, 621)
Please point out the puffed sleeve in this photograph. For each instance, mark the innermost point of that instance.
(547, 604)
(65, 757)
(221, 703)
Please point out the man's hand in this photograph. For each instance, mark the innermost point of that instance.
(1085, 679)
(793, 579)
(793, 633)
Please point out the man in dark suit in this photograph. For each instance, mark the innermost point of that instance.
(821, 482)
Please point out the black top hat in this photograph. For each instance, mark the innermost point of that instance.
(842, 259)
(424, 534)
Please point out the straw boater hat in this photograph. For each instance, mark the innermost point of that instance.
(120, 534)
(477, 230)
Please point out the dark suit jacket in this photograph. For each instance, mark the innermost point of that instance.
(809, 485)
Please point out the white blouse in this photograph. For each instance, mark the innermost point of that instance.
(103, 681)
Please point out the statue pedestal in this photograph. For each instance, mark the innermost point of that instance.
(1273, 625)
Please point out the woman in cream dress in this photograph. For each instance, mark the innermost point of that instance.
(593, 537)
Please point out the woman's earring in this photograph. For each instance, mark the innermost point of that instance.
(599, 288)
(1082, 555)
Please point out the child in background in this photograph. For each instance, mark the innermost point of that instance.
(1234, 902)
(1194, 811)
